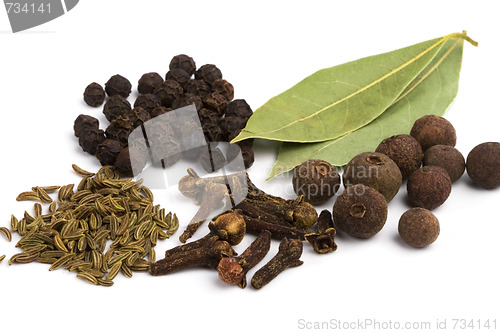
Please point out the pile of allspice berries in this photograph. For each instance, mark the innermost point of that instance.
(428, 161)
(221, 117)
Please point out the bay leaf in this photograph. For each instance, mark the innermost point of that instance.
(338, 100)
(431, 92)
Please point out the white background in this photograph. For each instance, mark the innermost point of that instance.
(263, 48)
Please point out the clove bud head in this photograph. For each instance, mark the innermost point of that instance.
(230, 270)
(304, 216)
(230, 227)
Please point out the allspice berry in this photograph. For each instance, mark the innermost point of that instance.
(94, 94)
(376, 170)
(429, 187)
(448, 158)
(118, 85)
(483, 165)
(404, 150)
(316, 180)
(418, 227)
(360, 211)
(433, 130)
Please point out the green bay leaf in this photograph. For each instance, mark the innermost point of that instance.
(431, 92)
(338, 100)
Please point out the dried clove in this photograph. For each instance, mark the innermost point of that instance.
(209, 194)
(212, 199)
(278, 231)
(322, 240)
(299, 213)
(208, 252)
(295, 215)
(288, 256)
(233, 270)
(230, 227)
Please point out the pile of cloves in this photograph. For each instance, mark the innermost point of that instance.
(246, 209)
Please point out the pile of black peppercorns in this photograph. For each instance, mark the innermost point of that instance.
(221, 117)
(426, 158)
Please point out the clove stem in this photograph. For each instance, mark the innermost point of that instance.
(277, 231)
(211, 251)
(288, 256)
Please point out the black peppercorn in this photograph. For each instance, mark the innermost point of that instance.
(147, 101)
(316, 180)
(404, 150)
(136, 116)
(125, 166)
(212, 159)
(159, 131)
(159, 110)
(168, 91)
(208, 116)
(360, 211)
(115, 106)
(429, 187)
(179, 75)
(239, 108)
(197, 87)
(483, 165)
(208, 73)
(229, 125)
(418, 227)
(90, 138)
(187, 99)
(107, 151)
(187, 138)
(94, 94)
(149, 82)
(448, 158)
(82, 122)
(167, 148)
(116, 132)
(212, 132)
(183, 61)
(216, 102)
(375, 170)
(247, 154)
(118, 85)
(224, 88)
(432, 130)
